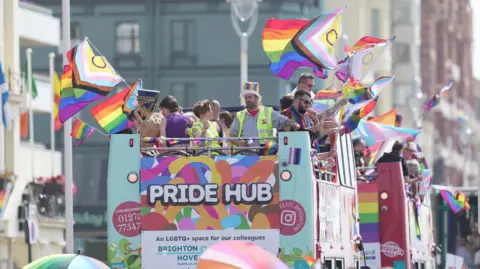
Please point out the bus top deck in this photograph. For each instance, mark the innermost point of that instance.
(231, 109)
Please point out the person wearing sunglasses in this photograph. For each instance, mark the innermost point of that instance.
(306, 82)
(300, 111)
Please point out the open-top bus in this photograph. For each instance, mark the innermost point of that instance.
(167, 209)
(396, 229)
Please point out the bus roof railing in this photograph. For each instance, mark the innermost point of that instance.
(228, 108)
(205, 139)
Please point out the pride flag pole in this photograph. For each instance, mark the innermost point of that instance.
(28, 56)
(51, 68)
(67, 139)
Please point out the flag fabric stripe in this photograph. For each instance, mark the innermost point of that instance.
(276, 42)
(57, 89)
(109, 113)
(457, 201)
(388, 118)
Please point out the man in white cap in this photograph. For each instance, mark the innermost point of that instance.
(257, 120)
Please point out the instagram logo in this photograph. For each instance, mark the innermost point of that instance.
(288, 218)
(292, 217)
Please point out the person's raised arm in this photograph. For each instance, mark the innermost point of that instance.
(280, 122)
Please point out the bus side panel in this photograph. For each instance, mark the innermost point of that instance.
(297, 217)
(369, 223)
(123, 209)
(394, 240)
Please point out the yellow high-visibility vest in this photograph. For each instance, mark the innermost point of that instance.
(212, 132)
(264, 121)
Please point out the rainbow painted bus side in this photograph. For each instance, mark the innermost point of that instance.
(293, 209)
(402, 238)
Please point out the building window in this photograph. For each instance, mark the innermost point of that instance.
(182, 40)
(402, 52)
(128, 38)
(316, 3)
(184, 93)
(402, 14)
(375, 22)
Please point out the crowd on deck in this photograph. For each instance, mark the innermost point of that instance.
(404, 152)
(208, 125)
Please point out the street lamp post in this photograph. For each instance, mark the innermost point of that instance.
(244, 11)
(67, 139)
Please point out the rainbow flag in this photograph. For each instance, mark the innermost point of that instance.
(316, 39)
(356, 114)
(436, 98)
(71, 105)
(367, 42)
(3, 195)
(368, 211)
(110, 114)
(322, 105)
(270, 148)
(328, 94)
(461, 117)
(80, 131)
(276, 42)
(72, 99)
(359, 94)
(388, 118)
(57, 89)
(457, 201)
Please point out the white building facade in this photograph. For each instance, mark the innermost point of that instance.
(24, 25)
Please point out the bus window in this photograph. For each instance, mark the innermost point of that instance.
(423, 265)
(328, 264)
(339, 264)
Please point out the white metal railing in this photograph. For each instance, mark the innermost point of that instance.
(27, 5)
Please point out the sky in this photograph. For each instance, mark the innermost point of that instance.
(476, 37)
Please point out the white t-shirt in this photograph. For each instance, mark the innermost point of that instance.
(476, 258)
(295, 90)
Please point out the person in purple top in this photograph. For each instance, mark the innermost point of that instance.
(174, 124)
